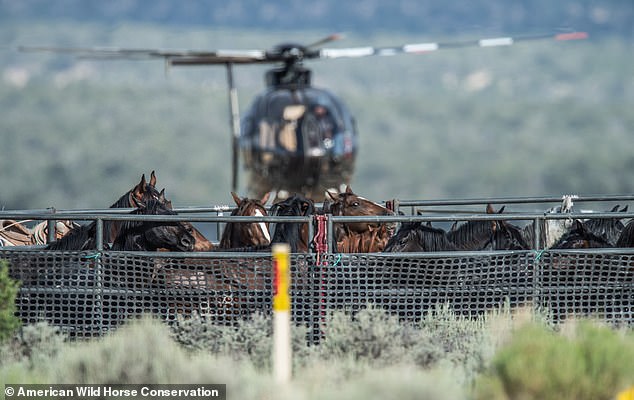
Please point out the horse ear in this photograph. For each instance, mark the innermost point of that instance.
(579, 226)
(152, 179)
(236, 198)
(142, 183)
(265, 198)
(349, 189)
(163, 199)
(489, 209)
(501, 210)
(624, 209)
(137, 192)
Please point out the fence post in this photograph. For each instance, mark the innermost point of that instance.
(282, 353)
(537, 280)
(50, 226)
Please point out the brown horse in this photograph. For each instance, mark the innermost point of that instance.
(137, 197)
(230, 288)
(244, 234)
(359, 237)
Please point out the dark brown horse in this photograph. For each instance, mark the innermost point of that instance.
(580, 237)
(244, 234)
(83, 237)
(154, 235)
(359, 237)
(626, 238)
(135, 235)
(487, 234)
(419, 237)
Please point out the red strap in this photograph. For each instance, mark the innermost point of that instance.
(321, 237)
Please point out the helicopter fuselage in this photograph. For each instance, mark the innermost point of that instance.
(298, 139)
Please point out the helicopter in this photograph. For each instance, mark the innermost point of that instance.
(294, 137)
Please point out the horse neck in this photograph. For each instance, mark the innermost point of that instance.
(436, 241)
(608, 228)
(470, 235)
(626, 238)
(236, 234)
(80, 238)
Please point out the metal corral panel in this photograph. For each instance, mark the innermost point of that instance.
(90, 293)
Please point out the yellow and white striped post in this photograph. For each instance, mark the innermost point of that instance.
(282, 353)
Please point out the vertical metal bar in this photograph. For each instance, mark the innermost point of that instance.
(50, 227)
(99, 234)
(99, 306)
(537, 265)
(537, 242)
(330, 234)
(311, 233)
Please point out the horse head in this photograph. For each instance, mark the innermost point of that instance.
(418, 237)
(351, 205)
(154, 235)
(295, 234)
(579, 237)
(505, 236)
(245, 234)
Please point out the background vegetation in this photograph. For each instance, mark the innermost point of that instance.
(545, 118)
(369, 356)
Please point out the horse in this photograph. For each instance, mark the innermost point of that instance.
(154, 235)
(359, 237)
(550, 230)
(83, 237)
(236, 234)
(626, 238)
(580, 237)
(15, 233)
(487, 235)
(419, 237)
(505, 236)
(608, 228)
(135, 235)
(295, 234)
(232, 287)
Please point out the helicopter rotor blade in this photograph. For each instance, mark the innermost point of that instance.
(327, 39)
(174, 56)
(420, 48)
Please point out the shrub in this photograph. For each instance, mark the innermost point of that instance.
(593, 362)
(8, 290)
(33, 344)
(250, 339)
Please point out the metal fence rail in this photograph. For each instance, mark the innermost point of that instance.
(89, 293)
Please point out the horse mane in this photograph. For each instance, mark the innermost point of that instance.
(580, 232)
(469, 234)
(434, 239)
(626, 238)
(79, 238)
(608, 228)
